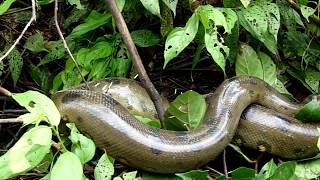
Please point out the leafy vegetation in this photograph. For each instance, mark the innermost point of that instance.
(277, 41)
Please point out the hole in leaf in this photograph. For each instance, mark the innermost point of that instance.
(169, 47)
(31, 104)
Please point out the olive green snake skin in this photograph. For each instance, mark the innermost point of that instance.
(268, 126)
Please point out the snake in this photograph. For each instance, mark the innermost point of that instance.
(243, 109)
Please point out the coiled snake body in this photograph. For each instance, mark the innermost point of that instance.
(128, 140)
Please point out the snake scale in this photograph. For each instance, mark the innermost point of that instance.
(268, 126)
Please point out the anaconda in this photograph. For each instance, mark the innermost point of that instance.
(103, 113)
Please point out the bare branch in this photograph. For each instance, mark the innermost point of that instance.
(11, 120)
(143, 76)
(33, 18)
(64, 41)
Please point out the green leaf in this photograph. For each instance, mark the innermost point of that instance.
(261, 24)
(310, 111)
(285, 170)
(68, 166)
(145, 38)
(245, 3)
(307, 11)
(27, 153)
(166, 20)
(44, 2)
(231, 19)
(153, 176)
(15, 65)
(194, 174)
(179, 38)
(35, 43)
(248, 62)
(243, 173)
(130, 175)
(267, 170)
(172, 4)
(56, 51)
(42, 76)
(104, 169)
(312, 79)
(5, 5)
(211, 18)
(38, 103)
(82, 146)
(77, 3)
(100, 50)
(152, 6)
(308, 169)
(148, 121)
(189, 108)
(273, 14)
(269, 68)
(120, 4)
(92, 22)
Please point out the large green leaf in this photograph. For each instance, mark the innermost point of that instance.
(38, 103)
(308, 169)
(172, 4)
(152, 6)
(82, 146)
(68, 166)
(92, 22)
(27, 153)
(262, 20)
(211, 18)
(307, 11)
(188, 109)
(194, 174)
(15, 65)
(310, 111)
(5, 5)
(145, 38)
(248, 62)
(179, 38)
(35, 43)
(104, 169)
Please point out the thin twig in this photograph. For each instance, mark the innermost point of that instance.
(225, 163)
(5, 91)
(33, 18)
(213, 170)
(256, 165)
(65, 42)
(11, 120)
(297, 8)
(125, 34)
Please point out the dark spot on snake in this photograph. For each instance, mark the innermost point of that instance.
(70, 97)
(268, 87)
(181, 136)
(253, 81)
(237, 139)
(79, 119)
(116, 81)
(251, 93)
(298, 151)
(130, 107)
(263, 146)
(155, 151)
(154, 131)
(31, 104)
